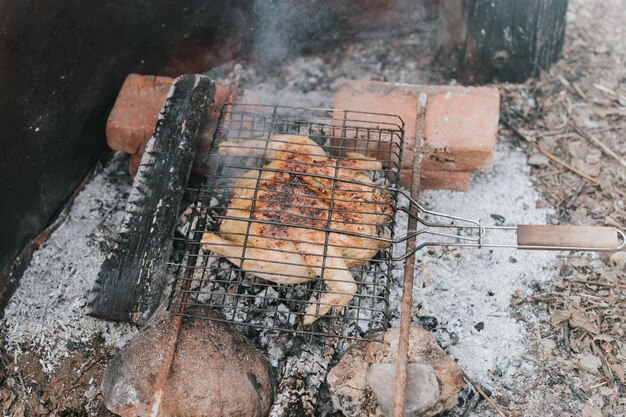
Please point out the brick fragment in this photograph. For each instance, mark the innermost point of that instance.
(457, 133)
(134, 114)
(445, 180)
(460, 130)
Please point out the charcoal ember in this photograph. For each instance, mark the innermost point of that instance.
(353, 395)
(185, 366)
(430, 323)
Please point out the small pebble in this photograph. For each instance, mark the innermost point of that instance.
(479, 326)
(502, 365)
(548, 343)
(538, 160)
(618, 260)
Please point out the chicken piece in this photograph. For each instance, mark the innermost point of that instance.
(303, 215)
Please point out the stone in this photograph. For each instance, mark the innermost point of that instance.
(352, 394)
(134, 378)
(538, 160)
(422, 388)
(186, 366)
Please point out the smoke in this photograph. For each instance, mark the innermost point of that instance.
(286, 27)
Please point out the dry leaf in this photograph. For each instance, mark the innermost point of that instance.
(8, 399)
(560, 316)
(618, 370)
(578, 319)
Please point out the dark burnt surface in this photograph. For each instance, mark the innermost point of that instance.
(61, 66)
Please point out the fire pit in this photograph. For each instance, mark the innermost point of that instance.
(247, 141)
(257, 306)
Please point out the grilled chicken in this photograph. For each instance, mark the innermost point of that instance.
(304, 215)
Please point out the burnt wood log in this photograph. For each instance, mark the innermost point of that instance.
(132, 279)
(504, 40)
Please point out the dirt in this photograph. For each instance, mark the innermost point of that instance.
(568, 315)
(73, 389)
(577, 346)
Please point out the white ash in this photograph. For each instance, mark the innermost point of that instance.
(469, 290)
(47, 313)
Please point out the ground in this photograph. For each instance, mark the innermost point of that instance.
(543, 332)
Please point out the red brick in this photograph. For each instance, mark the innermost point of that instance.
(458, 132)
(137, 108)
(383, 98)
(135, 160)
(445, 180)
(460, 129)
(134, 114)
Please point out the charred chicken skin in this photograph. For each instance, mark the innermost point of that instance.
(303, 215)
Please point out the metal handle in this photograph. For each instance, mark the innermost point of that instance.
(543, 237)
(472, 233)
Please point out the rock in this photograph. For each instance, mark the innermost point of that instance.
(422, 388)
(502, 365)
(618, 260)
(352, 394)
(538, 160)
(135, 376)
(206, 369)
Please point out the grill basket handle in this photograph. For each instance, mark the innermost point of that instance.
(545, 237)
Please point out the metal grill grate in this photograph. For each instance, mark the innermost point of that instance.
(263, 191)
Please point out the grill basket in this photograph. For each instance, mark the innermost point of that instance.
(244, 131)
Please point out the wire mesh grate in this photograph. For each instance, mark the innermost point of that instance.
(282, 231)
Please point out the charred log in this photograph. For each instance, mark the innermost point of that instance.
(507, 40)
(133, 277)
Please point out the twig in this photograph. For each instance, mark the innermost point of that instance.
(579, 393)
(487, 398)
(566, 165)
(515, 130)
(608, 151)
(599, 284)
(546, 153)
(85, 370)
(565, 330)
